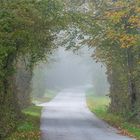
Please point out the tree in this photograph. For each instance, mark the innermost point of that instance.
(117, 46)
(113, 30)
(27, 30)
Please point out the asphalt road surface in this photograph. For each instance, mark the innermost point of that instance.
(67, 117)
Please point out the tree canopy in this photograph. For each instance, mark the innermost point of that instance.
(28, 29)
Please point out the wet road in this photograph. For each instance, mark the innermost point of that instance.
(67, 117)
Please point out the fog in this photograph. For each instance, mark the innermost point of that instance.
(66, 69)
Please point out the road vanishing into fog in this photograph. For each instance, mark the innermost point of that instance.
(67, 117)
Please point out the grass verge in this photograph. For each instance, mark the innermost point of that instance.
(99, 106)
(29, 127)
(49, 95)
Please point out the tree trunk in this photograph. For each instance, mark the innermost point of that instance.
(10, 111)
(131, 81)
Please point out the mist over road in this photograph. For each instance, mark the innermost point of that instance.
(67, 117)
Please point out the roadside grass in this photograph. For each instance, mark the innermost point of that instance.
(99, 106)
(29, 127)
(49, 95)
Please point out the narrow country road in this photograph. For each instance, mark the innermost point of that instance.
(67, 117)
